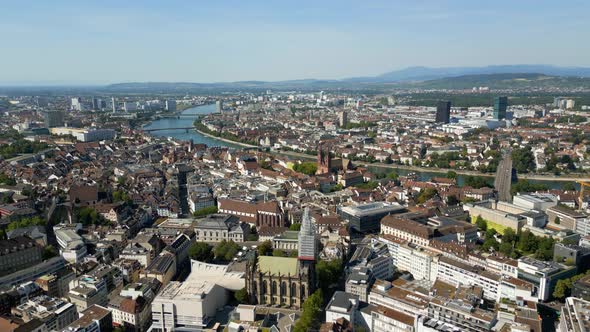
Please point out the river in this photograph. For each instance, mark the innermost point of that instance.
(187, 121)
(207, 109)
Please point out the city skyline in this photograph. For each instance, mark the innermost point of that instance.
(108, 42)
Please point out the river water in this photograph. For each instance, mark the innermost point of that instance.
(187, 121)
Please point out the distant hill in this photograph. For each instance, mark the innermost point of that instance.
(427, 73)
(502, 81)
(495, 77)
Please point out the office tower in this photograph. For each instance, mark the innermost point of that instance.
(500, 106)
(129, 106)
(53, 119)
(94, 104)
(42, 102)
(114, 104)
(443, 112)
(171, 105)
(342, 119)
(77, 104)
(219, 106)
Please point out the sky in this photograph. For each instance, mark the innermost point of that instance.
(111, 41)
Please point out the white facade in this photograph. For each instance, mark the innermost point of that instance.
(421, 263)
(457, 273)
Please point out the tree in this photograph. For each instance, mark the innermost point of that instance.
(506, 249)
(562, 289)
(205, 211)
(7, 180)
(425, 195)
(264, 248)
(328, 273)
(477, 182)
(451, 175)
(452, 200)
(295, 227)
(26, 222)
(121, 196)
(509, 236)
(481, 223)
(523, 185)
(308, 168)
(278, 253)
(201, 251)
(48, 252)
(242, 296)
(523, 160)
(253, 236)
(569, 186)
(557, 220)
(88, 216)
(490, 243)
(226, 250)
(310, 317)
(393, 176)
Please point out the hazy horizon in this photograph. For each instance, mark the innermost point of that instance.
(97, 43)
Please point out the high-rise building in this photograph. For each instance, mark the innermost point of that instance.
(77, 104)
(114, 104)
(95, 105)
(219, 106)
(342, 119)
(443, 112)
(54, 119)
(171, 105)
(500, 106)
(129, 106)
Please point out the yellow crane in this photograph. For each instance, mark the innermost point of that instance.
(582, 184)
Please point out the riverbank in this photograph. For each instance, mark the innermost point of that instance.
(225, 139)
(443, 171)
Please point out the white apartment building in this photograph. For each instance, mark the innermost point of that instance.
(458, 273)
(420, 262)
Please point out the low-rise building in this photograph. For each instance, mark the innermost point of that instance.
(535, 201)
(543, 275)
(562, 217)
(342, 305)
(96, 318)
(88, 291)
(366, 218)
(574, 315)
(163, 268)
(219, 227)
(56, 284)
(385, 319)
(55, 313)
(18, 253)
(191, 304)
(359, 282)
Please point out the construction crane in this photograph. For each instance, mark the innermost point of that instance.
(583, 184)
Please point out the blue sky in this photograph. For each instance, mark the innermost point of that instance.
(213, 41)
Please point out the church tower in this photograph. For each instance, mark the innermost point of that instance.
(324, 160)
(308, 246)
